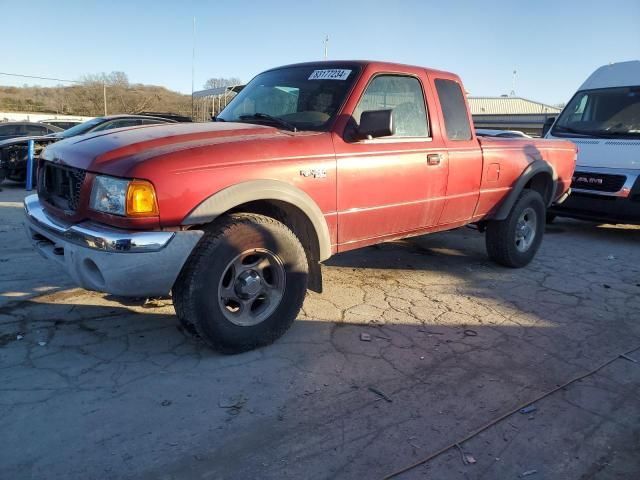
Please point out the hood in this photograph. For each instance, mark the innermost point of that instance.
(606, 152)
(119, 151)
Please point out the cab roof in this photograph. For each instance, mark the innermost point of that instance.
(378, 65)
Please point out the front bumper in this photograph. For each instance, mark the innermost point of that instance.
(120, 262)
(621, 206)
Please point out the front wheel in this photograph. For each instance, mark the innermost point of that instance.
(244, 284)
(514, 241)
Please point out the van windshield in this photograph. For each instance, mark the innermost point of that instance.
(300, 97)
(605, 113)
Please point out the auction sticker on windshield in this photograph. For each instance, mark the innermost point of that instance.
(332, 74)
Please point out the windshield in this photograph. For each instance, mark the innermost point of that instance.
(81, 128)
(304, 97)
(605, 112)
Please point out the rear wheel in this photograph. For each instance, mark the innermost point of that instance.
(514, 241)
(244, 284)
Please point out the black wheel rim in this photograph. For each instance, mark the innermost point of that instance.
(251, 287)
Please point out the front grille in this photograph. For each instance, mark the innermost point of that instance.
(60, 185)
(599, 182)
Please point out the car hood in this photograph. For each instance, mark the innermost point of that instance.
(122, 152)
(607, 152)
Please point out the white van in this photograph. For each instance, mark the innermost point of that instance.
(603, 120)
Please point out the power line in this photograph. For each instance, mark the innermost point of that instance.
(104, 85)
(38, 78)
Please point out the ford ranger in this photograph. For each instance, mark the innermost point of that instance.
(233, 217)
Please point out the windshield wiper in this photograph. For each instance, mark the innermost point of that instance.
(269, 118)
(622, 133)
(560, 128)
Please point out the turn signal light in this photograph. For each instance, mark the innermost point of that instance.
(141, 199)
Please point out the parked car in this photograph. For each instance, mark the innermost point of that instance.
(21, 129)
(62, 123)
(13, 152)
(100, 124)
(487, 132)
(308, 160)
(603, 120)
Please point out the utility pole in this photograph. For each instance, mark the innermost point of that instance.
(513, 84)
(193, 63)
(326, 47)
(104, 97)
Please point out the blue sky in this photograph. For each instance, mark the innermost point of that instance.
(553, 45)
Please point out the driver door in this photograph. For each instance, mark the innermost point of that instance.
(393, 185)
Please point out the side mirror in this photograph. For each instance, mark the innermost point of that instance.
(375, 124)
(548, 123)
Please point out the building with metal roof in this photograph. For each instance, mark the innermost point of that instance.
(511, 113)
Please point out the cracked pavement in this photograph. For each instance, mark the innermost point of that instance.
(91, 387)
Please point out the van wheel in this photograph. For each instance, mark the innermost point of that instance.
(514, 241)
(244, 283)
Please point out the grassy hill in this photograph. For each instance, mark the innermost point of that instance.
(87, 98)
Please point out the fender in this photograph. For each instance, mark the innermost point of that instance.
(255, 190)
(534, 168)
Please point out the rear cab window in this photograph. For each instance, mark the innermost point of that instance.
(454, 109)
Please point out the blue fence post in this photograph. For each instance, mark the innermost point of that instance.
(30, 166)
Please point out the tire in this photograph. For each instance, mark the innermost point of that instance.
(507, 246)
(550, 218)
(216, 295)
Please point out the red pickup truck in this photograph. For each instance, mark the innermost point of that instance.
(234, 217)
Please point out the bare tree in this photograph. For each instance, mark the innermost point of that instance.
(218, 82)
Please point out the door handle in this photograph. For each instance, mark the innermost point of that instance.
(434, 159)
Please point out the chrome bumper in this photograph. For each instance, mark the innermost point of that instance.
(120, 262)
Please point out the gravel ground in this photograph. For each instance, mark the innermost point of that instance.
(92, 387)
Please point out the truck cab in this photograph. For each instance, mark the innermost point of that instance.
(603, 120)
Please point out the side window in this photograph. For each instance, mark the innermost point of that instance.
(456, 120)
(132, 122)
(128, 122)
(9, 130)
(35, 130)
(152, 122)
(403, 95)
(103, 126)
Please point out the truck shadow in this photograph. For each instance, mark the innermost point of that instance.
(422, 335)
(75, 359)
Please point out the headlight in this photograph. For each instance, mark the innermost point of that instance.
(132, 198)
(109, 195)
